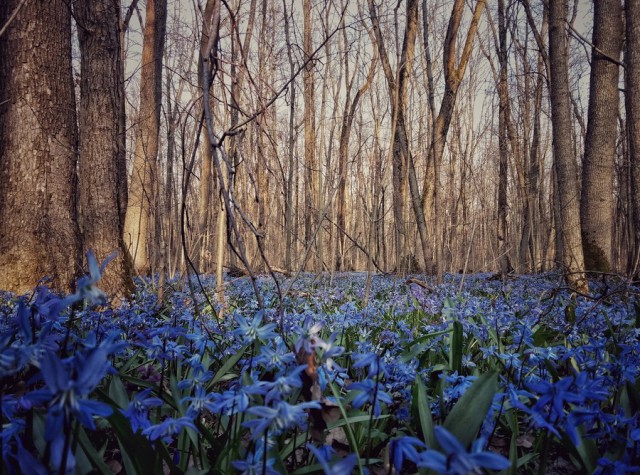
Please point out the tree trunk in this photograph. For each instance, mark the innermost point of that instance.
(100, 140)
(397, 83)
(310, 162)
(289, 225)
(503, 96)
(632, 101)
(39, 234)
(568, 225)
(453, 77)
(598, 170)
(142, 205)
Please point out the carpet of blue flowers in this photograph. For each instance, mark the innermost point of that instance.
(471, 376)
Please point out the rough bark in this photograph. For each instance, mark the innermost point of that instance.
(142, 203)
(39, 233)
(632, 102)
(598, 170)
(564, 160)
(100, 141)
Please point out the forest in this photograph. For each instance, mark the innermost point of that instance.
(319, 236)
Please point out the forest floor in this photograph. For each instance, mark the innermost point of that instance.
(332, 375)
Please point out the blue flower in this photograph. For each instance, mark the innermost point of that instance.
(138, 409)
(330, 351)
(279, 418)
(370, 392)
(68, 386)
(555, 395)
(252, 331)
(199, 401)
(230, 402)
(404, 448)
(283, 386)
(168, 428)
(308, 335)
(86, 285)
(343, 466)
(372, 361)
(255, 463)
(275, 359)
(456, 460)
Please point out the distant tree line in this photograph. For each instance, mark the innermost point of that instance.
(277, 136)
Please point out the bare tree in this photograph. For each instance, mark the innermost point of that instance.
(564, 160)
(453, 74)
(632, 101)
(142, 204)
(39, 234)
(397, 83)
(101, 141)
(596, 210)
(310, 161)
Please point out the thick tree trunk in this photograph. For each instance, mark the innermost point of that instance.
(39, 233)
(598, 167)
(142, 204)
(101, 140)
(632, 101)
(568, 224)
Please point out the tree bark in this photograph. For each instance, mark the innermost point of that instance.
(100, 140)
(503, 118)
(39, 234)
(310, 161)
(568, 196)
(397, 83)
(142, 204)
(598, 170)
(289, 183)
(632, 102)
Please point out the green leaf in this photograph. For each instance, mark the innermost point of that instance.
(545, 336)
(455, 347)
(118, 393)
(421, 407)
(420, 345)
(350, 435)
(137, 453)
(355, 420)
(466, 417)
(226, 367)
(92, 454)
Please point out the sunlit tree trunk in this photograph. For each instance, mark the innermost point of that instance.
(142, 204)
(598, 167)
(567, 193)
(39, 234)
(101, 140)
(453, 77)
(310, 161)
(397, 83)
